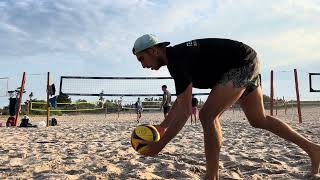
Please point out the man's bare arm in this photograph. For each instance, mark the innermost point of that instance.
(179, 115)
(165, 123)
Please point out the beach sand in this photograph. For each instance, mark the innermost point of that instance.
(98, 147)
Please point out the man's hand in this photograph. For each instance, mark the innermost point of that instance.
(153, 148)
(160, 129)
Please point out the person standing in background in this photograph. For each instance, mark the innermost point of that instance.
(138, 109)
(166, 101)
(194, 104)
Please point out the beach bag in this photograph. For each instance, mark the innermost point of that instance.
(24, 122)
(54, 122)
(12, 106)
(10, 121)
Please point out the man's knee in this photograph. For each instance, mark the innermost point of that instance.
(203, 116)
(258, 122)
(207, 119)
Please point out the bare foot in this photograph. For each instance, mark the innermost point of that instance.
(315, 160)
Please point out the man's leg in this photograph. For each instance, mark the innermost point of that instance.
(195, 117)
(138, 117)
(220, 98)
(192, 114)
(252, 105)
(165, 112)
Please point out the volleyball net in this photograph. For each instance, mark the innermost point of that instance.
(67, 107)
(123, 92)
(118, 86)
(314, 82)
(291, 91)
(147, 105)
(4, 81)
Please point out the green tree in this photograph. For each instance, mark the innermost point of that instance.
(63, 98)
(101, 98)
(17, 91)
(81, 100)
(30, 96)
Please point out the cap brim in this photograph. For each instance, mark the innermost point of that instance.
(166, 43)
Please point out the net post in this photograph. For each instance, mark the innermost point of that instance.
(276, 106)
(118, 109)
(310, 83)
(60, 89)
(285, 105)
(7, 87)
(28, 107)
(20, 98)
(271, 93)
(297, 94)
(260, 80)
(106, 108)
(48, 106)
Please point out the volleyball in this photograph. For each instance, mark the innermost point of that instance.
(144, 133)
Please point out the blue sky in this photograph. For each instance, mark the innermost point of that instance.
(95, 38)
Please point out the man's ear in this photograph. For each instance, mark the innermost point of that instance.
(154, 51)
(150, 50)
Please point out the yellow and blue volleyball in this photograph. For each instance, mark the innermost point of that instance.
(144, 133)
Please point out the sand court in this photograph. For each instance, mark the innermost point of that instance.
(98, 147)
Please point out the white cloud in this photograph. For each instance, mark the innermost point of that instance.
(81, 37)
(298, 9)
(12, 29)
(283, 32)
(104, 31)
(296, 45)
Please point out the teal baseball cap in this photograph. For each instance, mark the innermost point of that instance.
(146, 41)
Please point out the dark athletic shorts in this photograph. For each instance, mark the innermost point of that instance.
(246, 76)
(138, 111)
(166, 109)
